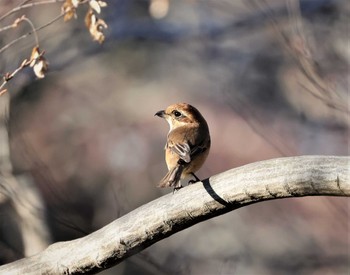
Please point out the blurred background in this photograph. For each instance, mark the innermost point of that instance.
(84, 148)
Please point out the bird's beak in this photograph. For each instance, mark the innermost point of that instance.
(160, 113)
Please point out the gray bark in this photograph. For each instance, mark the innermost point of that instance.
(163, 217)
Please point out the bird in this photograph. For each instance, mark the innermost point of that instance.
(187, 146)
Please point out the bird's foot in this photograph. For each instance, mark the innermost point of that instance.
(177, 187)
(193, 181)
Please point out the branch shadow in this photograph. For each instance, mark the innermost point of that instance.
(207, 186)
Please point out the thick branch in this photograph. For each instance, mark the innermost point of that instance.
(161, 218)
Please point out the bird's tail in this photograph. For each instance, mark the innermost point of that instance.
(172, 178)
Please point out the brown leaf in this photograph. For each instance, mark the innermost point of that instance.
(69, 10)
(96, 26)
(41, 67)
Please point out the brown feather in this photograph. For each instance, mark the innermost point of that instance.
(172, 178)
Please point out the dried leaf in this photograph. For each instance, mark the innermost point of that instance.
(76, 3)
(95, 6)
(96, 26)
(38, 62)
(69, 10)
(102, 4)
(34, 56)
(17, 21)
(41, 67)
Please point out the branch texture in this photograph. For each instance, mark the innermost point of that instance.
(163, 217)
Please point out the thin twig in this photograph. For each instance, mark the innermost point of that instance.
(16, 23)
(29, 33)
(30, 5)
(7, 27)
(8, 76)
(33, 29)
(25, 2)
(303, 59)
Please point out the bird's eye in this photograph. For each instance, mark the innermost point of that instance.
(177, 113)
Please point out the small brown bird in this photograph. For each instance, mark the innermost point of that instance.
(187, 145)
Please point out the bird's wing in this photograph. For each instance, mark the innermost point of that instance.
(183, 150)
(197, 150)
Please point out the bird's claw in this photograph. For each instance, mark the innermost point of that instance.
(193, 181)
(176, 188)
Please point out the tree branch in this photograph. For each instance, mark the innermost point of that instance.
(163, 217)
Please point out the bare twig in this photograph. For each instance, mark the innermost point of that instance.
(30, 5)
(30, 33)
(17, 22)
(298, 48)
(25, 63)
(24, 18)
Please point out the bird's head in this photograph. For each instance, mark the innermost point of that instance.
(180, 114)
